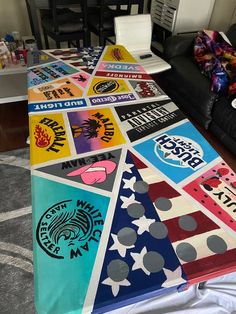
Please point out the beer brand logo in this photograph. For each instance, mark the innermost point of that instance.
(106, 87)
(179, 151)
(68, 229)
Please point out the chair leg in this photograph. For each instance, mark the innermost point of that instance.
(87, 39)
(101, 40)
(58, 44)
(46, 39)
(69, 44)
(77, 43)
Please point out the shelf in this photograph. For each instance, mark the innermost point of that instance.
(13, 69)
(13, 87)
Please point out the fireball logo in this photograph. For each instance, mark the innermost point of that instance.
(41, 136)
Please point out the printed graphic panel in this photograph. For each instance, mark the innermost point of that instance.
(198, 241)
(120, 67)
(48, 138)
(101, 86)
(67, 226)
(122, 70)
(118, 53)
(146, 89)
(98, 171)
(81, 78)
(83, 58)
(144, 119)
(124, 75)
(38, 58)
(61, 89)
(48, 73)
(179, 152)
(112, 99)
(94, 130)
(216, 191)
(56, 105)
(139, 259)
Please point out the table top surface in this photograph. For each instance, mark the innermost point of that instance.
(129, 200)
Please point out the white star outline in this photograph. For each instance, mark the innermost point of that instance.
(138, 260)
(115, 285)
(127, 168)
(119, 246)
(126, 201)
(143, 224)
(129, 183)
(173, 278)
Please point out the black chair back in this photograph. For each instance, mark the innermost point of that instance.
(101, 17)
(67, 21)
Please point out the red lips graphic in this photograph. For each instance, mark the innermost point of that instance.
(94, 173)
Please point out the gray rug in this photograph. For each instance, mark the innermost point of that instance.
(16, 261)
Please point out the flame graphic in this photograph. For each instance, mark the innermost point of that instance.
(41, 137)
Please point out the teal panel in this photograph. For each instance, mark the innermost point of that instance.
(67, 225)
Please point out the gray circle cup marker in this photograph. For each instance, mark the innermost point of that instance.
(158, 230)
(153, 262)
(135, 210)
(141, 187)
(216, 244)
(163, 203)
(117, 270)
(127, 236)
(187, 223)
(186, 252)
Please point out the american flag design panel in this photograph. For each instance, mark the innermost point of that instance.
(139, 256)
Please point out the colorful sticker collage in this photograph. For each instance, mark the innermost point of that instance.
(123, 183)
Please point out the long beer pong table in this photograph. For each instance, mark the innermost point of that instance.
(129, 199)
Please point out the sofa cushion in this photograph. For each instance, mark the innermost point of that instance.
(193, 88)
(225, 116)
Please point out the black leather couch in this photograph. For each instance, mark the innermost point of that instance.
(190, 89)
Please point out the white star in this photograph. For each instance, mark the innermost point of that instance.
(173, 278)
(115, 285)
(127, 168)
(143, 224)
(129, 184)
(138, 260)
(119, 246)
(128, 200)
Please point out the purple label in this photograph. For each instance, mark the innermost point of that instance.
(111, 99)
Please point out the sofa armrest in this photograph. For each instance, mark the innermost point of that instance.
(178, 45)
(231, 34)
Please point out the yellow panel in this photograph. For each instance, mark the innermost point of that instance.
(48, 138)
(118, 53)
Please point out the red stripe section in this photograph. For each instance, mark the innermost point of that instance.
(137, 162)
(210, 267)
(138, 76)
(176, 233)
(161, 189)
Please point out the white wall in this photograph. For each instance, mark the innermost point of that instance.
(223, 15)
(14, 17)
